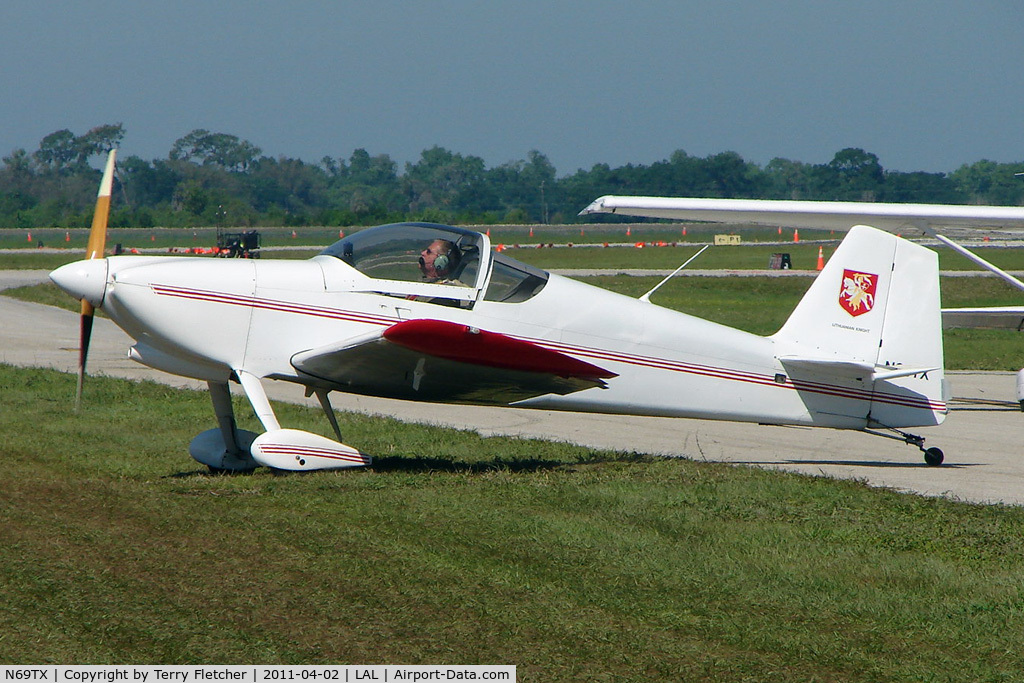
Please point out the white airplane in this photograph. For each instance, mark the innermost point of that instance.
(896, 218)
(430, 312)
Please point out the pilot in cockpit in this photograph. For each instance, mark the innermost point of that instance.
(440, 261)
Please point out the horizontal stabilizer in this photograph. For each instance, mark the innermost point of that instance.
(897, 371)
(867, 372)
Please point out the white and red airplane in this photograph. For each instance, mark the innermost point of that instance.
(430, 312)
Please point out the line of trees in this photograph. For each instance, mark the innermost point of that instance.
(218, 179)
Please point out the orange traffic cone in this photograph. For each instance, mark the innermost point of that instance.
(796, 235)
(30, 237)
(821, 258)
(67, 236)
(531, 231)
(684, 231)
(629, 231)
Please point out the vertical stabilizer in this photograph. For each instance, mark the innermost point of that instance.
(873, 315)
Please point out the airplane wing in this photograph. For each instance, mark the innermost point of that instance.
(842, 216)
(440, 361)
(808, 214)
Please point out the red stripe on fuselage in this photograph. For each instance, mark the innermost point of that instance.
(272, 305)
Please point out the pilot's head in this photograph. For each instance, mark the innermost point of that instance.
(439, 260)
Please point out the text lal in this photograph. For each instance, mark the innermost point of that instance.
(418, 675)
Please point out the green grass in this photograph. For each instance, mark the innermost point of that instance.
(803, 256)
(47, 294)
(38, 261)
(116, 547)
(161, 238)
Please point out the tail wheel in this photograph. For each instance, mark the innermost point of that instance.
(933, 456)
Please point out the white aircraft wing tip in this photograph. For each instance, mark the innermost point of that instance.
(596, 206)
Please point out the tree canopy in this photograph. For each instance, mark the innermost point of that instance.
(213, 178)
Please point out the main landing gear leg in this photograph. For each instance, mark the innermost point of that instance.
(325, 403)
(226, 448)
(932, 456)
(225, 412)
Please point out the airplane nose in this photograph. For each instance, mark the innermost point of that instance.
(83, 280)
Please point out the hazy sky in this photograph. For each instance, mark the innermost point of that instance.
(924, 85)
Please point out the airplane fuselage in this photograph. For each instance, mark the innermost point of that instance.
(206, 318)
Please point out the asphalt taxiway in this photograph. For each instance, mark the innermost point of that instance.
(982, 437)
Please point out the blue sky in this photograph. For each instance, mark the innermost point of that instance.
(924, 85)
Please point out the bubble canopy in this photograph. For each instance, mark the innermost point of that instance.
(393, 252)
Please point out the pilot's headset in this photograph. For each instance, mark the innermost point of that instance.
(442, 262)
(448, 262)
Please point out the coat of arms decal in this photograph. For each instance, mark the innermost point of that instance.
(857, 292)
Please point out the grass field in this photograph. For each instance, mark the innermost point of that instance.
(570, 563)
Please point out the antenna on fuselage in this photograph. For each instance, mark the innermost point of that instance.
(647, 297)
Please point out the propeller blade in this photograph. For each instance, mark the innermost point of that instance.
(94, 249)
(85, 334)
(98, 233)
